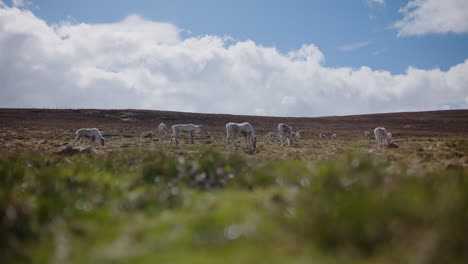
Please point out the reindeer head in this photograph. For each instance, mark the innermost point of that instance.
(101, 141)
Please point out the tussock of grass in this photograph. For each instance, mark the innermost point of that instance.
(209, 206)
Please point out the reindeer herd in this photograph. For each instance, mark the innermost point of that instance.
(285, 134)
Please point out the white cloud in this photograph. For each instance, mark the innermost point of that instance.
(17, 3)
(422, 17)
(137, 63)
(355, 46)
(21, 3)
(288, 100)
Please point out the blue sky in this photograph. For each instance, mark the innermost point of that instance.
(281, 58)
(286, 25)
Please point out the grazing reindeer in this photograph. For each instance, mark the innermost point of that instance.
(285, 131)
(162, 130)
(176, 129)
(243, 129)
(92, 133)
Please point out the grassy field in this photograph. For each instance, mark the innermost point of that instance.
(133, 201)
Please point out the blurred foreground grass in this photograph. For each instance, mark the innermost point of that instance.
(215, 207)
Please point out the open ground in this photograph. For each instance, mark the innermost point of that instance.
(147, 201)
(43, 129)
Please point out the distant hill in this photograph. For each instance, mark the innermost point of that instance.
(432, 123)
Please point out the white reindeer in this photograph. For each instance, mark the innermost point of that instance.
(271, 136)
(367, 134)
(389, 138)
(162, 130)
(148, 134)
(92, 133)
(285, 131)
(176, 129)
(333, 137)
(243, 129)
(297, 135)
(322, 136)
(380, 136)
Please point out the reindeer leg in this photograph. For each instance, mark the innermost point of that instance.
(234, 143)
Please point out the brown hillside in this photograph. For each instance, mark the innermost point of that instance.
(47, 123)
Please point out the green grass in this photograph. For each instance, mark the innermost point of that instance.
(325, 204)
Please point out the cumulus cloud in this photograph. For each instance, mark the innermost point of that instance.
(138, 63)
(422, 17)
